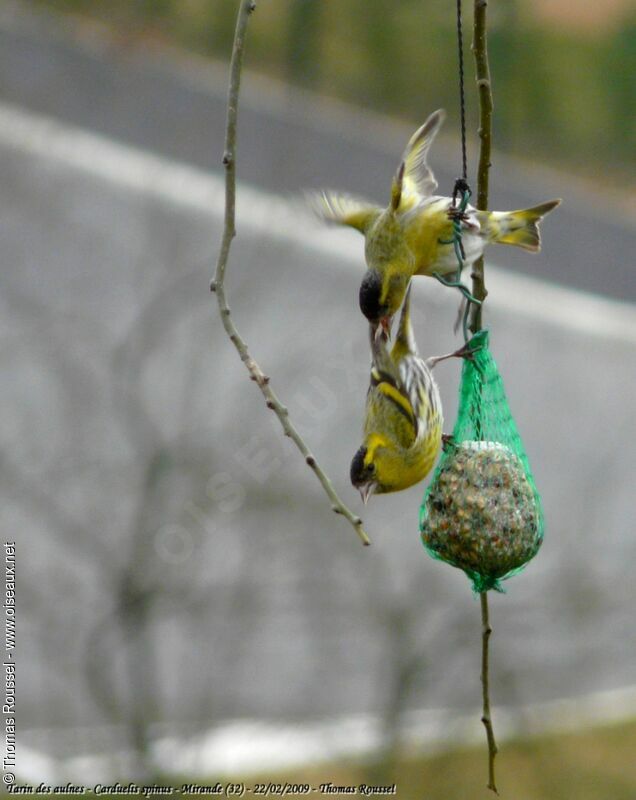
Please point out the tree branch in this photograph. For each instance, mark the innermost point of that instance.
(486, 630)
(482, 74)
(218, 284)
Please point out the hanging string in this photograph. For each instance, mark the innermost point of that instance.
(461, 189)
(462, 96)
(461, 193)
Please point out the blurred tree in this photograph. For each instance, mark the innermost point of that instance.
(302, 42)
(381, 43)
(554, 82)
(620, 64)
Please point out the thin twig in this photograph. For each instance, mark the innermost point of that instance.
(482, 74)
(484, 88)
(218, 284)
(486, 630)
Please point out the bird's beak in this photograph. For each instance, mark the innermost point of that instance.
(381, 332)
(366, 490)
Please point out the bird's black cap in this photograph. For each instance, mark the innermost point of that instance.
(359, 473)
(370, 291)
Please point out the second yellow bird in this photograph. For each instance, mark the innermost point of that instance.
(413, 235)
(403, 420)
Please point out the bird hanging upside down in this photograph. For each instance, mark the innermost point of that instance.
(414, 234)
(403, 417)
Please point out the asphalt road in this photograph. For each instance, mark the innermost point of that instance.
(290, 141)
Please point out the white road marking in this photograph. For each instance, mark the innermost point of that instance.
(264, 214)
(271, 96)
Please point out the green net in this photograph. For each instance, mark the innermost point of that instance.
(482, 512)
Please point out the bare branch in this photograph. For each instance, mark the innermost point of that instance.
(482, 74)
(218, 284)
(486, 630)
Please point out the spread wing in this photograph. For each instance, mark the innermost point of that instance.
(342, 209)
(414, 178)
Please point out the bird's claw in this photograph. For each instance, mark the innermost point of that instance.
(465, 351)
(468, 351)
(448, 441)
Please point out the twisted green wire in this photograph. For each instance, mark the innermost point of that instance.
(456, 241)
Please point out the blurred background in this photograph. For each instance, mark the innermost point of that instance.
(189, 609)
(563, 70)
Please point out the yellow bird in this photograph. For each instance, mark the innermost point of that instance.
(413, 235)
(403, 419)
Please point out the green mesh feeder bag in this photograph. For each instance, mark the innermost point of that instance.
(482, 512)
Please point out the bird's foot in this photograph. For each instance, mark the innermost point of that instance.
(448, 441)
(465, 351)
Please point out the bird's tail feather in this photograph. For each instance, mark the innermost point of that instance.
(519, 228)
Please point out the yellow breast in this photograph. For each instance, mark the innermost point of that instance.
(425, 230)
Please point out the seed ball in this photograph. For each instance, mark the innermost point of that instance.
(489, 506)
